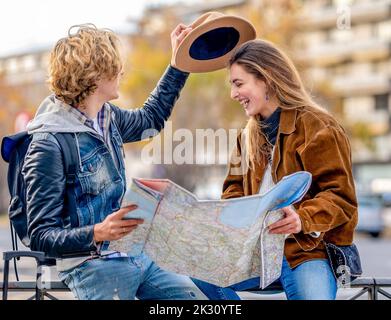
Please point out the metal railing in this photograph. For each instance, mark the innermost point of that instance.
(41, 289)
(373, 287)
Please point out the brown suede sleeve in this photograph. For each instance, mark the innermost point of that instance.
(327, 156)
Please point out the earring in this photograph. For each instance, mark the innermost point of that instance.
(267, 96)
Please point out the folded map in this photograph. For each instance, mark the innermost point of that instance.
(219, 241)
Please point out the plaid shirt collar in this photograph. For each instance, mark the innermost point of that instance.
(103, 118)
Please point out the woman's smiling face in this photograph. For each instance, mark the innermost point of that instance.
(248, 90)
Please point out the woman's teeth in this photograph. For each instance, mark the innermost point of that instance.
(245, 102)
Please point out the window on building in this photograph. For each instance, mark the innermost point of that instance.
(358, 108)
(384, 30)
(12, 65)
(363, 32)
(381, 101)
(28, 63)
(383, 67)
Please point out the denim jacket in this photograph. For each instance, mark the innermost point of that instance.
(100, 181)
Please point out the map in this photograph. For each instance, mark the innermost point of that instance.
(219, 241)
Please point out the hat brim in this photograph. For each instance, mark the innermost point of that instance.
(186, 62)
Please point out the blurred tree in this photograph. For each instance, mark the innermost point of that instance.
(207, 93)
(205, 101)
(363, 135)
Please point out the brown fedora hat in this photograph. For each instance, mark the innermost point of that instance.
(211, 42)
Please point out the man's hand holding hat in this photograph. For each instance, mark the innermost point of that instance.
(177, 36)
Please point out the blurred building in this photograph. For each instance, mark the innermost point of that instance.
(27, 72)
(346, 49)
(154, 17)
(343, 47)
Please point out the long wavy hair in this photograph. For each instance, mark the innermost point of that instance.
(266, 62)
(79, 61)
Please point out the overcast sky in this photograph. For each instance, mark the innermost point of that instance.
(27, 24)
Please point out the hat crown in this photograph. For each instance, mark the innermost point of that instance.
(208, 46)
(205, 18)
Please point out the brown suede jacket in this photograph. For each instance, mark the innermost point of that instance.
(310, 140)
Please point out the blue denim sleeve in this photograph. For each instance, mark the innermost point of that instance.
(156, 110)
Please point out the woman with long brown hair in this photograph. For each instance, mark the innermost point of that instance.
(288, 132)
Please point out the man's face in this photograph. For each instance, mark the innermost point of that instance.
(108, 89)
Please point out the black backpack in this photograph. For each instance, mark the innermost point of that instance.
(13, 151)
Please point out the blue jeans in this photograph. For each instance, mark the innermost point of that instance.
(126, 278)
(311, 280)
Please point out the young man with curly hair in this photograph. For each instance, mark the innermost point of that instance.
(85, 69)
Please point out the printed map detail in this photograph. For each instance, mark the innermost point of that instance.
(219, 241)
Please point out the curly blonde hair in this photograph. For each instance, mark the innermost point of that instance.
(80, 60)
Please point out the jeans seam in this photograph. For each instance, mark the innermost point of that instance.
(144, 271)
(148, 283)
(80, 285)
(158, 288)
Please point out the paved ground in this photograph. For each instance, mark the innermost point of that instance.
(375, 254)
(376, 262)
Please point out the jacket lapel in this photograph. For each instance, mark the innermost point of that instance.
(286, 127)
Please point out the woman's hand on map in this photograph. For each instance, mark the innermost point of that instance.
(291, 223)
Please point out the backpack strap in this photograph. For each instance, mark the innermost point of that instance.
(70, 155)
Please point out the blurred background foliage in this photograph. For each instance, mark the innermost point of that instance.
(205, 101)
